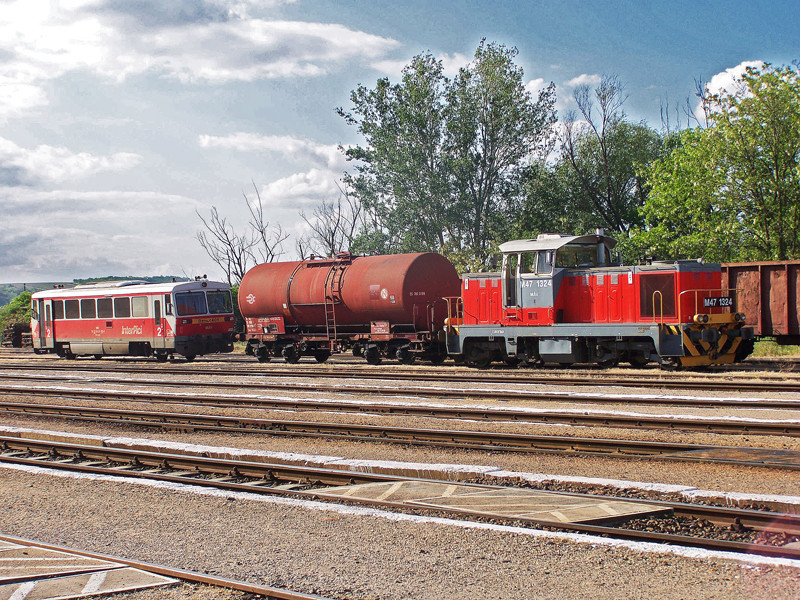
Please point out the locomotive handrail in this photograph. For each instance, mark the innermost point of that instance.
(723, 292)
(661, 306)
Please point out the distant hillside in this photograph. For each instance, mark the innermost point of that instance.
(9, 291)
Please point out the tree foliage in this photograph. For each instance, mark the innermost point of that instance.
(16, 311)
(442, 159)
(731, 191)
(602, 154)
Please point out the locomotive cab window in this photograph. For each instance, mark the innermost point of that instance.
(544, 263)
(572, 256)
(191, 303)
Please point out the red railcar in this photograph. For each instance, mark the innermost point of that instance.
(769, 294)
(134, 318)
(379, 305)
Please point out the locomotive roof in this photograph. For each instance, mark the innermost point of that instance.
(117, 288)
(549, 241)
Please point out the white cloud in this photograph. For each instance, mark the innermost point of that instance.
(55, 164)
(729, 79)
(301, 189)
(393, 69)
(583, 79)
(327, 156)
(42, 40)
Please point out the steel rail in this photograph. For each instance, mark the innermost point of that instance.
(448, 438)
(576, 418)
(239, 468)
(271, 593)
(488, 394)
(715, 382)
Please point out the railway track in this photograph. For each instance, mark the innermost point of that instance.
(449, 438)
(240, 368)
(575, 417)
(766, 531)
(430, 392)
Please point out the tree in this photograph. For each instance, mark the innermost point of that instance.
(604, 153)
(731, 191)
(334, 226)
(442, 158)
(235, 252)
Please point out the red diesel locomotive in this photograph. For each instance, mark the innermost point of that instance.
(561, 299)
(134, 318)
(558, 299)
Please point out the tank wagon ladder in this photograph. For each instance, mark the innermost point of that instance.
(333, 296)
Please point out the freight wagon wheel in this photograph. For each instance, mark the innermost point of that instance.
(290, 354)
(372, 355)
(262, 355)
(322, 355)
(404, 356)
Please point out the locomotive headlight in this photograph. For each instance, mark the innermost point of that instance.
(700, 319)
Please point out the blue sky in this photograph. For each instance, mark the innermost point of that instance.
(121, 118)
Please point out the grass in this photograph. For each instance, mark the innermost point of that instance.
(770, 348)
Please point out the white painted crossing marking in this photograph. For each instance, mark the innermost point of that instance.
(95, 582)
(23, 590)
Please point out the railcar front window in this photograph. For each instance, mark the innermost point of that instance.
(219, 302)
(191, 303)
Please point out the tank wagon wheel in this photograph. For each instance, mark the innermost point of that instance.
(97, 356)
(69, 355)
(290, 354)
(405, 356)
(437, 359)
(322, 355)
(262, 355)
(373, 355)
(357, 350)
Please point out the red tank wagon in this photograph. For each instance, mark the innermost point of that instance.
(562, 299)
(134, 318)
(377, 305)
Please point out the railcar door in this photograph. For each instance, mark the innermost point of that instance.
(159, 333)
(46, 329)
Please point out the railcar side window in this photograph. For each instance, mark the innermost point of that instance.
(139, 306)
(88, 310)
(72, 309)
(58, 309)
(105, 308)
(122, 307)
(219, 302)
(167, 304)
(191, 303)
(657, 294)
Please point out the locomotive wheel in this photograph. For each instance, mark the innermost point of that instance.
(477, 358)
(372, 355)
(322, 355)
(638, 360)
(437, 359)
(405, 356)
(290, 354)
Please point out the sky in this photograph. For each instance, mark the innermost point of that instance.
(121, 120)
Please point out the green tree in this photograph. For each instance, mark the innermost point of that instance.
(731, 191)
(602, 155)
(442, 159)
(16, 311)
